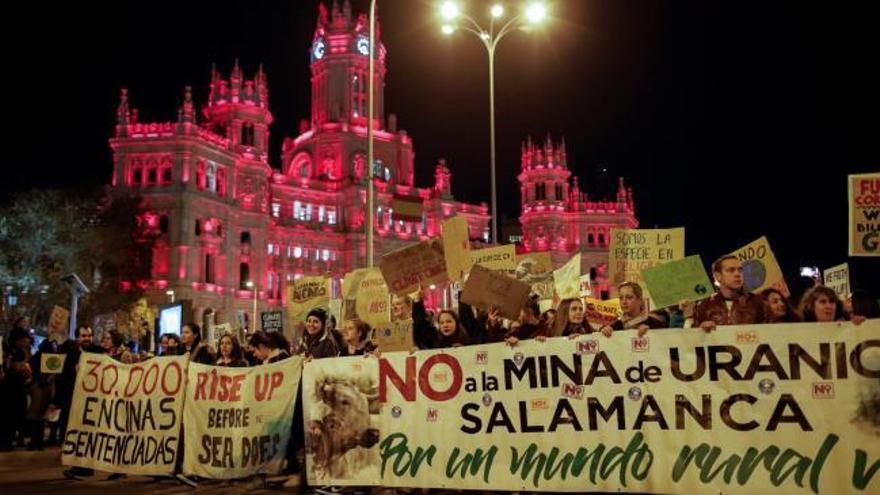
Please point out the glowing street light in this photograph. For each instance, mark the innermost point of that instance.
(449, 10)
(534, 13)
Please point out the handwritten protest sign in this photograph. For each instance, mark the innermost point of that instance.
(125, 418)
(837, 278)
(237, 420)
(411, 267)
(676, 281)
(496, 258)
(760, 269)
(864, 214)
(306, 294)
(272, 321)
(365, 296)
(599, 313)
(633, 250)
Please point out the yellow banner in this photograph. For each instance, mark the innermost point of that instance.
(633, 250)
(496, 258)
(600, 313)
(789, 409)
(760, 269)
(864, 214)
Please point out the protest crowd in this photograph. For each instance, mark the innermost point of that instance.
(36, 404)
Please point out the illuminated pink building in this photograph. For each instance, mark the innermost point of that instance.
(225, 216)
(558, 218)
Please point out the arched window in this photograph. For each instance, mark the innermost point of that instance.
(137, 177)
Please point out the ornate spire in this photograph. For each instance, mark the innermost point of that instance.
(187, 110)
(123, 114)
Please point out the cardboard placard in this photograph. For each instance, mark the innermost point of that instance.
(496, 258)
(676, 281)
(306, 294)
(837, 278)
(536, 269)
(456, 247)
(365, 296)
(394, 336)
(486, 288)
(411, 267)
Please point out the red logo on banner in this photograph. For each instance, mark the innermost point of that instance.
(588, 347)
(483, 357)
(432, 415)
(640, 344)
(540, 404)
(747, 337)
(572, 391)
(823, 390)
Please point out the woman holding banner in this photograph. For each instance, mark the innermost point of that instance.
(317, 341)
(781, 310)
(113, 343)
(569, 319)
(821, 304)
(356, 338)
(632, 304)
(230, 352)
(449, 331)
(198, 351)
(268, 347)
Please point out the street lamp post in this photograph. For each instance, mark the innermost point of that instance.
(371, 193)
(533, 14)
(253, 287)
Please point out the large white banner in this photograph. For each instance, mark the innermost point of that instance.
(341, 412)
(791, 408)
(126, 418)
(237, 420)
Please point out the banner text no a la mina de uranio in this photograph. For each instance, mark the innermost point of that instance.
(744, 410)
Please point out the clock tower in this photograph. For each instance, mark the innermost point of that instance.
(339, 63)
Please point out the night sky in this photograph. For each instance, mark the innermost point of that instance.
(734, 119)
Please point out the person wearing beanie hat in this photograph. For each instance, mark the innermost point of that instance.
(317, 342)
